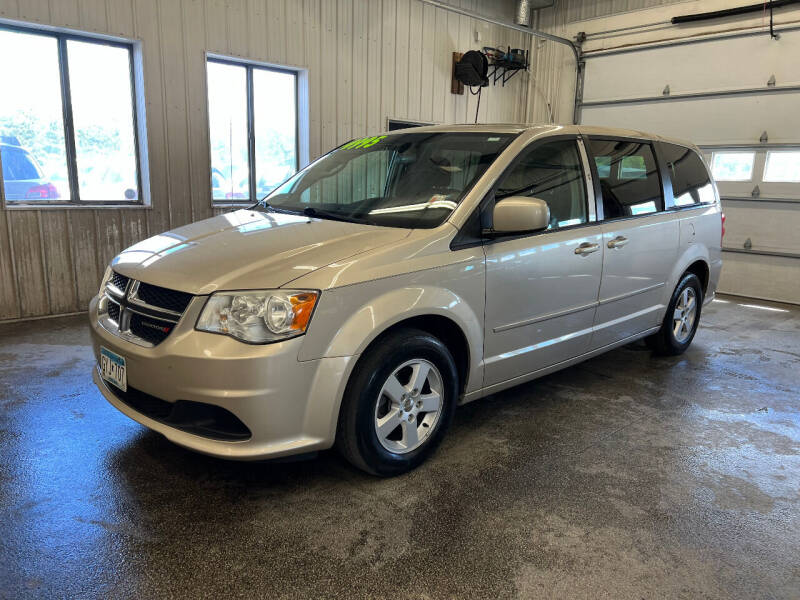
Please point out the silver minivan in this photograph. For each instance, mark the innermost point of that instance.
(401, 275)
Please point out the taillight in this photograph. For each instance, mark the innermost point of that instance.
(722, 236)
(46, 191)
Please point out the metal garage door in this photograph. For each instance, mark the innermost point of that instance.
(724, 94)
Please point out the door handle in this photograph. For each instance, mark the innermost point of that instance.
(587, 248)
(618, 242)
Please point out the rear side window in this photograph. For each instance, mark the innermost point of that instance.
(551, 172)
(17, 165)
(690, 182)
(628, 178)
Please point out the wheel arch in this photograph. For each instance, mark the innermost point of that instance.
(442, 328)
(695, 259)
(700, 268)
(438, 310)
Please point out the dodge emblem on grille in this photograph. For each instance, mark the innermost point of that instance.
(132, 312)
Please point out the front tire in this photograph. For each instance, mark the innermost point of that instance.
(398, 403)
(681, 319)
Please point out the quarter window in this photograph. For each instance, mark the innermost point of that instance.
(690, 182)
(252, 117)
(67, 119)
(551, 172)
(628, 176)
(732, 166)
(782, 166)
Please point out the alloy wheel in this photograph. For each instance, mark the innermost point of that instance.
(684, 315)
(409, 406)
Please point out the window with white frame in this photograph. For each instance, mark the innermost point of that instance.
(732, 166)
(782, 166)
(68, 119)
(252, 118)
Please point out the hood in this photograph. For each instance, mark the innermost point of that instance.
(247, 249)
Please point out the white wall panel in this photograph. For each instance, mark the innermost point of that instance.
(770, 226)
(722, 120)
(635, 55)
(766, 277)
(367, 60)
(734, 63)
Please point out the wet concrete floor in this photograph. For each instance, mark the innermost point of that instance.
(628, 476)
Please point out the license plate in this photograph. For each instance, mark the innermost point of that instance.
(112, 369)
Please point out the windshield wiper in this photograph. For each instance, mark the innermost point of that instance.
(264, 205)
(310, 211)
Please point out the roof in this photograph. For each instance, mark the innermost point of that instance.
(546, 128)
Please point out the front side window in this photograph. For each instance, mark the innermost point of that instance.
(690, 182)
(782, 166)
(732, 166)
(252, 117)
(410, 180)
(67, 124)
(629, 178)
(551, 172)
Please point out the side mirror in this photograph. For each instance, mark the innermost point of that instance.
(519, 214)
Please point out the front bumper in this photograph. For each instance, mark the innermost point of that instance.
(289, 406)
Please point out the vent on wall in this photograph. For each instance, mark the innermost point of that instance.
(395, 124)
(524, 8)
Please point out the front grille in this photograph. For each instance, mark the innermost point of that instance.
(113, 311)
(150, 329)
(118, 281)
(199, 418)
(144, 314)
(163, 298)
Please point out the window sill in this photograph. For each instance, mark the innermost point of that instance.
(231, 205)
(34, 206)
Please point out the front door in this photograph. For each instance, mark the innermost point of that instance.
(542, 288)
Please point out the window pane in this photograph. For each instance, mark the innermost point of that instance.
(690, 181)
(551, 172)
(782, 166)
(102, 111)
(628, 178)
(227, 119)
(32, 145)
(732, 166)
(275, 124)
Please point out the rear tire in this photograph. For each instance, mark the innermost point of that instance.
(681, 319)
(398, 404)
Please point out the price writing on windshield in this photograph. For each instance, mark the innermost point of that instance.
(363, 142)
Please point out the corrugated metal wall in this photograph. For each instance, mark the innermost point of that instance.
(551, 84)
(367, 60)
(580, 10)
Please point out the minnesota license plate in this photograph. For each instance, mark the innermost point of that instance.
(112, 369)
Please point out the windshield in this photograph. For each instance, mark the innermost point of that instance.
(17, 164)
(412, 180)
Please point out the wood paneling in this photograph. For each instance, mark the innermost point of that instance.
(82, 230)
(58, 258)
(27, 242)
(367, 60)
(9, 302)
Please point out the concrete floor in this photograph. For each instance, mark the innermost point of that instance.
(629, 476)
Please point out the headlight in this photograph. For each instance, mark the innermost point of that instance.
(258, 317)
(103, 283)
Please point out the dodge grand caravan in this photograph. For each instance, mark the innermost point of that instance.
(401, 275)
